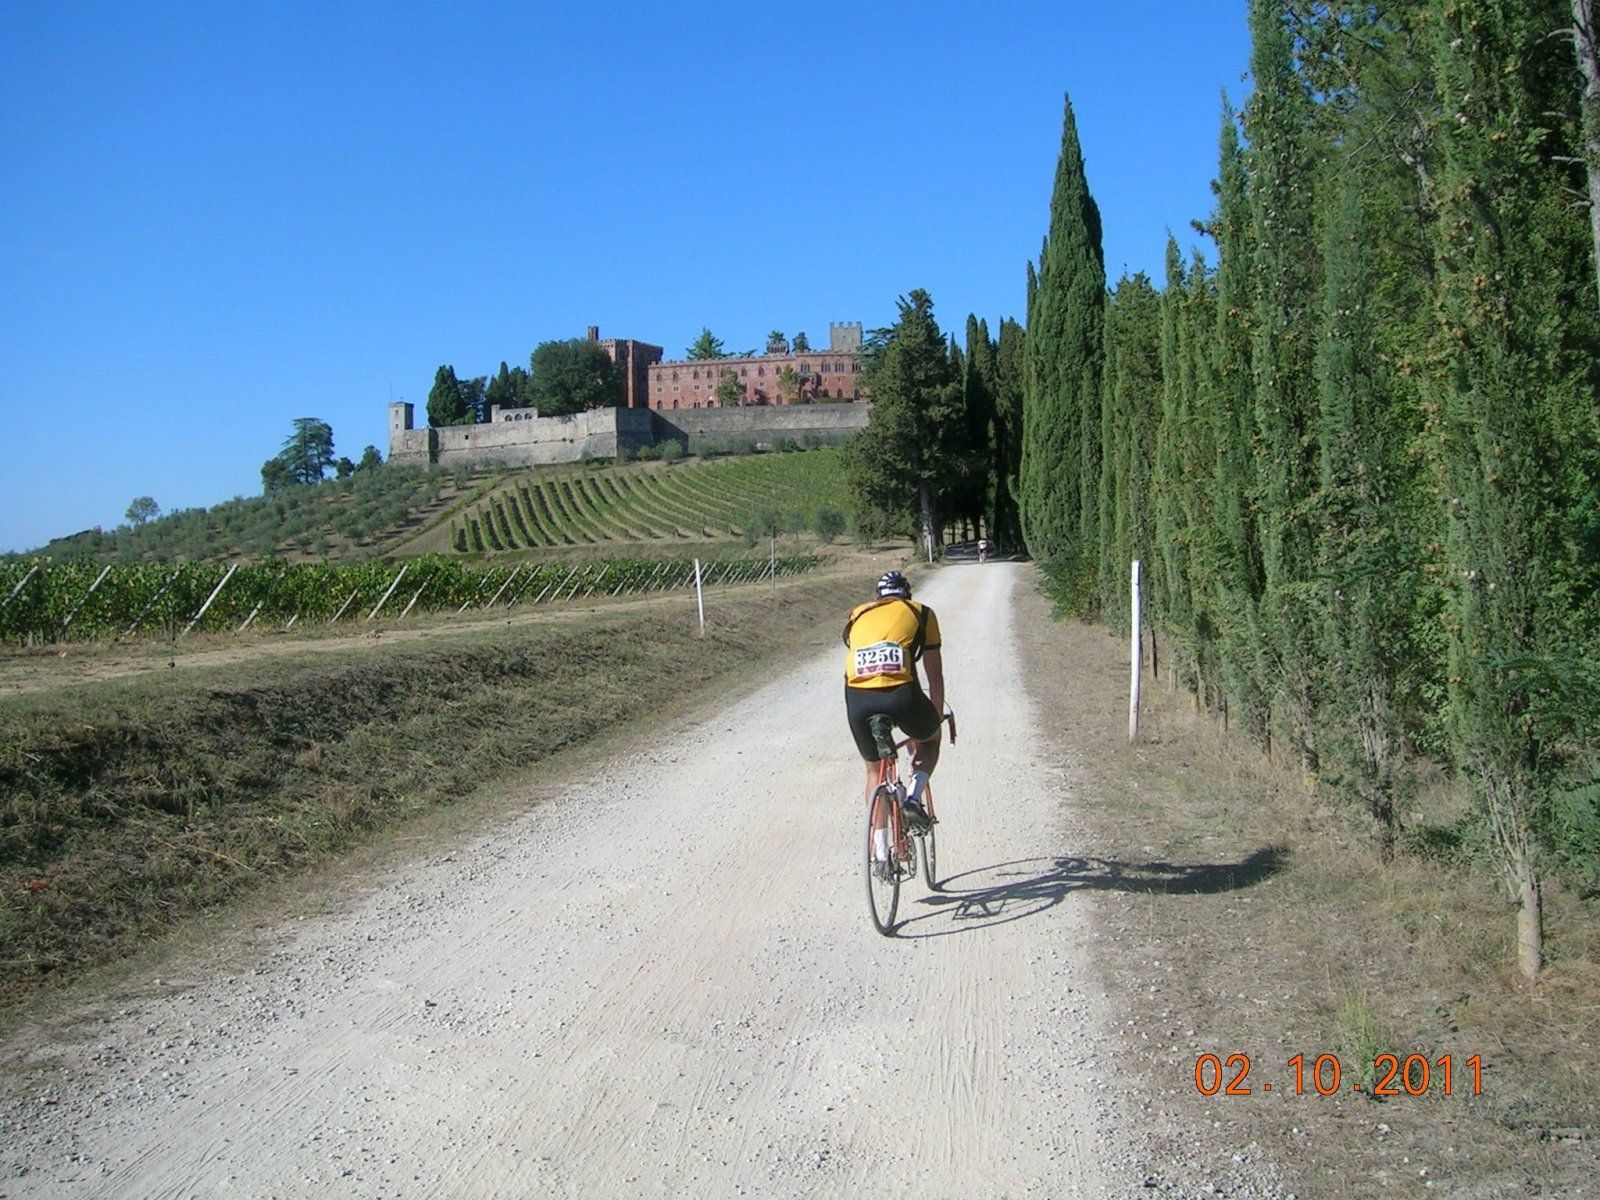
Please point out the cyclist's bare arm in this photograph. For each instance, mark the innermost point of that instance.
(933, 660)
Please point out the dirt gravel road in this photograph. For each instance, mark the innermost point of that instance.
(662, 983)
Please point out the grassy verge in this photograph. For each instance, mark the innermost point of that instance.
(131, 804)
(1249, 917)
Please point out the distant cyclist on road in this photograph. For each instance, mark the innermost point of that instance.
(886, 637)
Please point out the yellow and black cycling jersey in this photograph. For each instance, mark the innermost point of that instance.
(885, 639)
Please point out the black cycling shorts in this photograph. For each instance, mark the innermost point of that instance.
(906, 705)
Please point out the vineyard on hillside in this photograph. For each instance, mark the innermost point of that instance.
(41, 602)
(339, 519)
(690, 500)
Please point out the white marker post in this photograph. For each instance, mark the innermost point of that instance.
(699, 597)
(1133, 683)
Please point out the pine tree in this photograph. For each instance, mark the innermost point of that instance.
(901, 462)
(1065, 311)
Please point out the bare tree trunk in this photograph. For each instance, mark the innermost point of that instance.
(1589, 67)
(1508, 819)
(1530, 922)
(929, 528)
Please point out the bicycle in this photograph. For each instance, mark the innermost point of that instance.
(893, 849)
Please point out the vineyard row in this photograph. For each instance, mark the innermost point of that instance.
(43, 602)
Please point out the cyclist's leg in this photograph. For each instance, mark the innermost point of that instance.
(860, 706)
(923, 725)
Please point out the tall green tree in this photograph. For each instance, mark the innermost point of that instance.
(978, 397)
(802, 344)
(903, 461)
(1230, 405)
(507, 388)
(1367, 560)
(572, 375)
(1010, 367)
(308, 451)
(1283, 160)
(446, 402)
(143, 509)
(1519, 433)
(1130, 412)
(1065, 313)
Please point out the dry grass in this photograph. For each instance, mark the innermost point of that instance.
(129, 805)
(1313, 945)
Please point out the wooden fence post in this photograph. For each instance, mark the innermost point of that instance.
(215, 592)
(1135, 656)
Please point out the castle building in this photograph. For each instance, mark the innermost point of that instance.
(633, 360)
(652, 390)
(832, 375)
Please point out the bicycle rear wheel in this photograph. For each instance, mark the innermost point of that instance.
(882, 872)
(930, 858)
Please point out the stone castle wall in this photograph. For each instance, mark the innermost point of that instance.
(519, 437)
(758, 428)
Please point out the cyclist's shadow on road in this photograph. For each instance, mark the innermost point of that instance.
(1011, 891)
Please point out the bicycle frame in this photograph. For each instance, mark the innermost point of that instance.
(888, 775)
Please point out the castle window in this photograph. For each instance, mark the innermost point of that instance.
(855, 366)
(761, 370)
(743, 371)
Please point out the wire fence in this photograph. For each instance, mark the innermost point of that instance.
(44, 602)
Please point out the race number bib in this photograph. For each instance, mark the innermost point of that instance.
(880, 658)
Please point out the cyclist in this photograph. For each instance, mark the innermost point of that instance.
(886, 637)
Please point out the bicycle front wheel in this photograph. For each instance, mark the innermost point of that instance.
(930, 858)
(882, 871)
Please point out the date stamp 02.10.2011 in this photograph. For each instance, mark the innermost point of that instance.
(1325, 1075)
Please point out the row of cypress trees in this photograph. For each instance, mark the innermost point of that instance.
(1359, 453)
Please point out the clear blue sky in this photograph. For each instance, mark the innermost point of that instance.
(215, 218)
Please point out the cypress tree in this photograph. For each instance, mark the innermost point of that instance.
(1364, 565)
(1519, 437)
(1065, 313)
(446, 405)
(1230, 405)
(1197, 321)
(1010, 373)
(978, 391)
(1172, 465)
(1282, 164)
(1133, 383)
